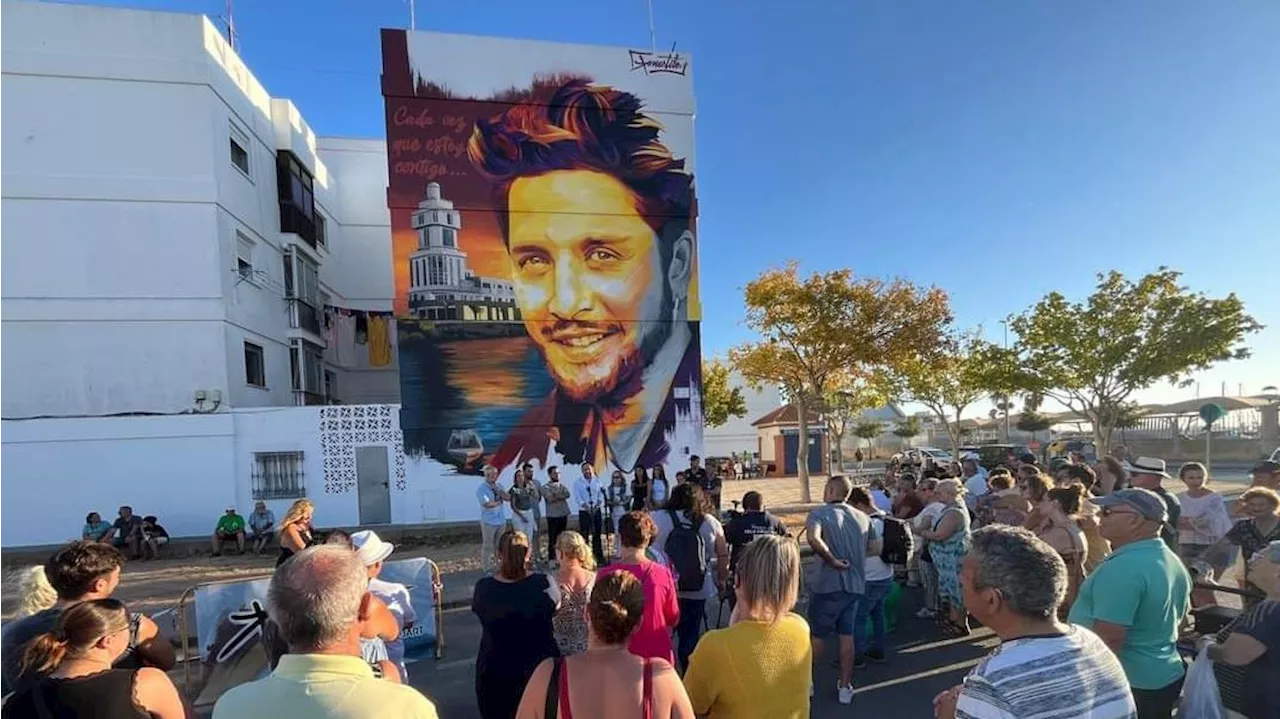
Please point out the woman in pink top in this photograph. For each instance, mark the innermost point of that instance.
(652, 639)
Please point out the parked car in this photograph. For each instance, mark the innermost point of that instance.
(925, 457)
(991, 456)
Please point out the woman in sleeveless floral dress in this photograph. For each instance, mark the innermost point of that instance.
(575, 577)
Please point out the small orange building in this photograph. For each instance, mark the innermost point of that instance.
(778, 441)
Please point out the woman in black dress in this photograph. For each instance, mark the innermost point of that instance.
(515, 610)
(295, 530)
(640, 490)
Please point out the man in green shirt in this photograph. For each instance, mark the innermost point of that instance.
(1138, 597)
(230, 529)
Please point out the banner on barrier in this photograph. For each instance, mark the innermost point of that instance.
(231, 617)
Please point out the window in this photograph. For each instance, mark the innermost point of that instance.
(450, 237)
(297, 203)
(320, 229)
(255, 367)
(239, 150)
(302, 290)
(278, 475)
(306, 363)
(288, 274)
(331, 387)
(244, 257)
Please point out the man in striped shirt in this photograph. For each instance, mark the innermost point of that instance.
(1013, 584)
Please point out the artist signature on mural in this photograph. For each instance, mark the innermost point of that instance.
(654, 63)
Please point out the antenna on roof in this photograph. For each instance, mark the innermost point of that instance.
(653, 38)
(228, 18)
(413, 25)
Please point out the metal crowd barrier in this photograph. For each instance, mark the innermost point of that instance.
(188, 638)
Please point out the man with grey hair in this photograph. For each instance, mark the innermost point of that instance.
(841, 537)
(1137, 598)
(493, 517)
(317, 600)
(1013, 583)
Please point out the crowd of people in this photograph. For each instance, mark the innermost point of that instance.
(1088, 586)
(333, 637)
(1125, 553)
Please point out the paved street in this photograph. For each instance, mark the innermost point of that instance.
(920, 666)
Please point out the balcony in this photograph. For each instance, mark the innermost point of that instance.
(296, 221)
(303, 316)
(303, 398)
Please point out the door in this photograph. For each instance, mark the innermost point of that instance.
(374, 485)
(790, 453)
(815, 453)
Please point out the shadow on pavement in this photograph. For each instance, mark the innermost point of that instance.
(920, 665)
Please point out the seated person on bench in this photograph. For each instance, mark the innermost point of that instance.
(230, 529)
(262, 524)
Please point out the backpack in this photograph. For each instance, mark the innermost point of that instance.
(688, 554)
(897, 541)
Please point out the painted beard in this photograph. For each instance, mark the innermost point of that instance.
(616, 376)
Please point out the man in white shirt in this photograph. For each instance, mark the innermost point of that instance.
(879, 582)
(588, 494)
(975, 480)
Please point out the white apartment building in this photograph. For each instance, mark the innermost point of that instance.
(171, 232)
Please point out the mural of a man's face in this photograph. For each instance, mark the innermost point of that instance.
(590, 278)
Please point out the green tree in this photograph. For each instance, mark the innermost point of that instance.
(1093, 355)
(852, 395)
(720, 400)
(868, 430)
(818, 329)
(1126, 416)
(908, 428)
(1033, 422)
(948, 382)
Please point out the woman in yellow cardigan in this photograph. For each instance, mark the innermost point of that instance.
(760, 665)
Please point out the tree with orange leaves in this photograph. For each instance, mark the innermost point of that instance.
(820, 331)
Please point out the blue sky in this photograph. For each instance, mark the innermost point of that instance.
(999, 149)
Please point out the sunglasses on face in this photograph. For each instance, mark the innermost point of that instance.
(1108, 511)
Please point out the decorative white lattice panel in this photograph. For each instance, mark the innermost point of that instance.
(345, 427)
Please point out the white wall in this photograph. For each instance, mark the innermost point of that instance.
(58, 470)
(737, 435)
(186, 469)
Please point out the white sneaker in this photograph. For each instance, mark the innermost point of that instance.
(926, 613)
(846, 693)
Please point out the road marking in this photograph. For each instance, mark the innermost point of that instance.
(921, 675)
(978, 634)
